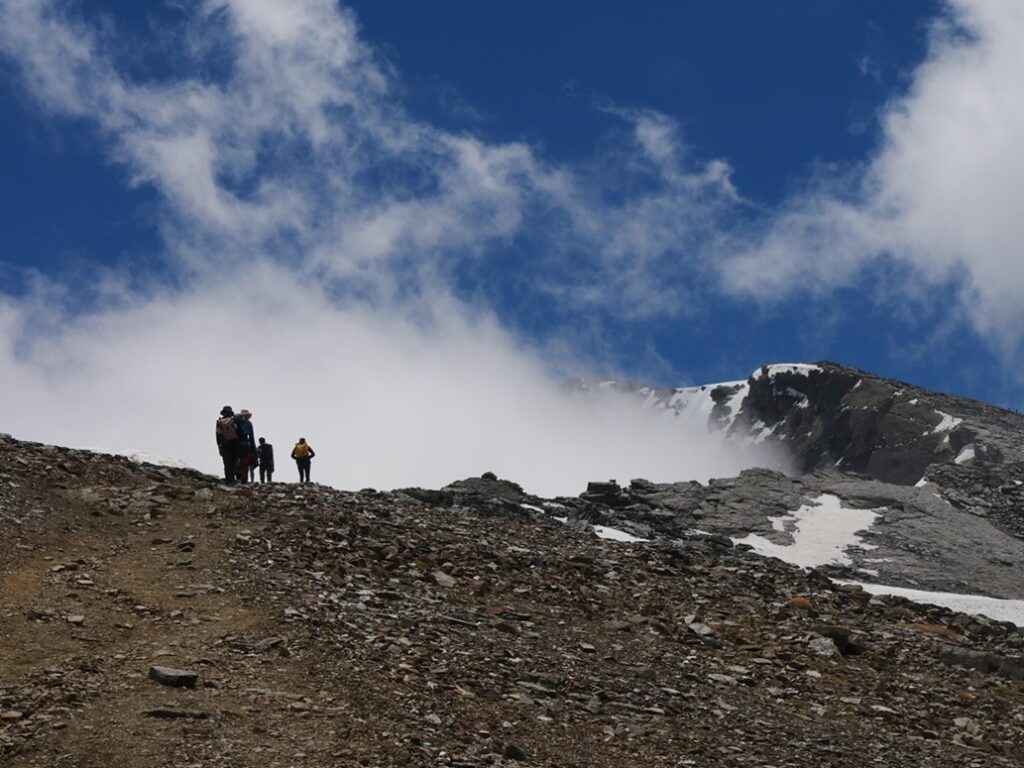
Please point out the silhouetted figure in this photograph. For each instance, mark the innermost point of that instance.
(265, 453)
(227, 442)
(303, 455)
(246, 445)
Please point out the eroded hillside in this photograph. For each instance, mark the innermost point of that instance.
(328, 628)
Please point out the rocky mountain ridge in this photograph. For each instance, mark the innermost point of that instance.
(153, 616)
(941, 475)
(830, 415)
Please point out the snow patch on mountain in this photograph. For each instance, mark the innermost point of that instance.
(614, 534)
(973, 605)
(967, 453)
(947, 424)
(803, 369)
(821, 533)
(144, 457)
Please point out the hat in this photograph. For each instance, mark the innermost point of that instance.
(244, 413)
(226, 411)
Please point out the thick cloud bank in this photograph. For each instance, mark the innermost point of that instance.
(385, 402)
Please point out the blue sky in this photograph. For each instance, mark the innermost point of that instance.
(673, 192)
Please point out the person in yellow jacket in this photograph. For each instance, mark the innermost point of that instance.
(303, 455)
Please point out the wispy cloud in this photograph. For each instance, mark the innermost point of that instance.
(303, 150)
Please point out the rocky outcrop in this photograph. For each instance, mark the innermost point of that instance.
(832, 415)
(828, 415)
(908, 542)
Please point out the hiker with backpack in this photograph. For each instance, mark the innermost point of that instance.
(265, 453)
(246, 445)
(303, 454)
(227, 442)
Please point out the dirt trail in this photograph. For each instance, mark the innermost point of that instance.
(89, 599)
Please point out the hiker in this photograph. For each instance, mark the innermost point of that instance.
(265, 453)
(227, 442)
(246, 445)
(302, 454)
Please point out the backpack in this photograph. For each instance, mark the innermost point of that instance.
(301, 451)
(227, 428)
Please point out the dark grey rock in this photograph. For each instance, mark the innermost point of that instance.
(169, 713)
(177, 678)
(988, 663)
(514, 752)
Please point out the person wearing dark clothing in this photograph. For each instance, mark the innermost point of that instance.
(265, 453)
(246, 445)
(227, 442)
(303, 455)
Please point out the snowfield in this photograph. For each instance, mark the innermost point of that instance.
(821, 531)
(994, 608)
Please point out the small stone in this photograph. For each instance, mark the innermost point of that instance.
(177, 678)
(444, 580)
(700, 629)
(842, 637)
(619, 626)
(514, 752)
(647, 673)
(267, 643)
(76, 619)
(587, 648)
(11, 714)
(823, 646)
(967, 725)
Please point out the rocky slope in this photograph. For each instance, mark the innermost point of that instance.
(460, 627)
(941, 474)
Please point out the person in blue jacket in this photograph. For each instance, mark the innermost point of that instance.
(246, 445)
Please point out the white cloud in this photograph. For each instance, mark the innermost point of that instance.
(312, 225)
(385, 400)
(941, 194)
(304, 142)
